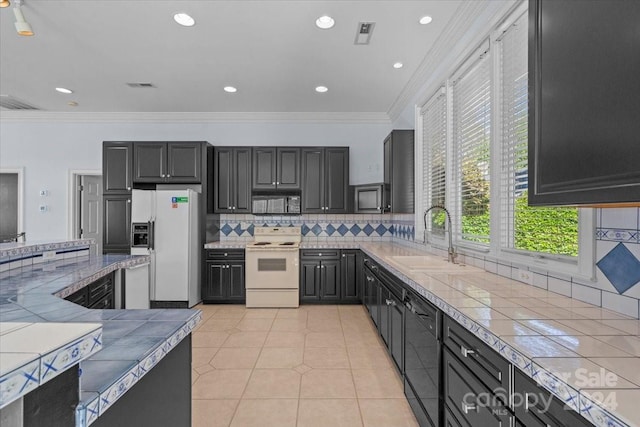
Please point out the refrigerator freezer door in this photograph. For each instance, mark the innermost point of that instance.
(142, 205)
(136, 287)
(174, 245)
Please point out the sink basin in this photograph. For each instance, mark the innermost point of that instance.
(432, 264)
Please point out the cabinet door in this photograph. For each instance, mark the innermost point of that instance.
(309, 280)
(330, 280)
(371, 296)
(223, 164)
(214, 286)
(288, 169)
(236, 290)
(396, 347)
(242, 180)
(184, 160)
(117, 163)
(117, 223)
(402, 171)
(149, 162)
(388, 160)
(264, 168)
(336, 175)
(312, 180)
(351, 280)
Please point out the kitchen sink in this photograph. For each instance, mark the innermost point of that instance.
(431, 264)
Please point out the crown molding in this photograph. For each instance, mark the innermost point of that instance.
(462, 20)
(196, 117)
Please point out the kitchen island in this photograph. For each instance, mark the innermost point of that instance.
(141, 374)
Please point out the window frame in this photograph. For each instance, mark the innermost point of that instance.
(581, 266)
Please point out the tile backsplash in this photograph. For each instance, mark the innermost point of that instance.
(617, 259)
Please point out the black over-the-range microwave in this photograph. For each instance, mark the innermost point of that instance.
(275, 204)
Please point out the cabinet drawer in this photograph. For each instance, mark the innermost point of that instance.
(469, 400)
(226, 254)
(530, 406)
(100, 288)
(321, 253)
(491, 368)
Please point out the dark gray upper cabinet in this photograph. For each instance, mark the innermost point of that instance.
(276, 168)
(584, 92)
(163, 162)
(117, 162)
(399, 179)
(232, 180)
(325, 180)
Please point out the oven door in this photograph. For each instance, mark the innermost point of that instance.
(272, 268)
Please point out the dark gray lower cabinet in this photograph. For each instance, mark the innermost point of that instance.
(351, 277)
(224, 277)
(371, 293)
(391, 321)
(535, 407)
(468, 400)
(99, 294)
(320, 275)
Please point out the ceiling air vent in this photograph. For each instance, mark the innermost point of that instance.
(8, 102)
(141, 85)
(364, 32)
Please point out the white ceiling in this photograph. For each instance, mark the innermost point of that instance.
(270, 50)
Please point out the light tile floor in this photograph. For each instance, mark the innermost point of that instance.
(311, 366)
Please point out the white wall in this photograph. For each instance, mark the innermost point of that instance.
(48, 150)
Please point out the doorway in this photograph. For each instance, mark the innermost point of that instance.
(11, 205)
(86, 206)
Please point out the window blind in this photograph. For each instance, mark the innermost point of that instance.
(547, 230)
(471, 140)
(434, 137)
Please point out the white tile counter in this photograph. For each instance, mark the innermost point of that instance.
(587, 356)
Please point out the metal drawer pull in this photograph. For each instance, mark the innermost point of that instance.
(469, 407)
(369, 279)
(138, 266)
(465, 351)
(390, 302)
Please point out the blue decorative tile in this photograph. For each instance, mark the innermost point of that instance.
(304, 229)
(368, 229)
(226, 229)
(238, 229)
(250, 230)
(330, 229)
(621, 267)
(316, 230)
(342, 229)
(355, 229)
(19, 382)
(381, 229)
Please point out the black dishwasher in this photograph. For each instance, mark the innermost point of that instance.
(422, 384)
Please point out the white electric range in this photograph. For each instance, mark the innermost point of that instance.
(272, 267)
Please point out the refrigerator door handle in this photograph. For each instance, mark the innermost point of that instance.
(152, 234)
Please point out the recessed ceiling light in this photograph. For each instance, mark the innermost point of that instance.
(325, 22)
(184, 19)
(230, 89)
(425, 20)
(398, 65)
(64, 90)
(322, 89)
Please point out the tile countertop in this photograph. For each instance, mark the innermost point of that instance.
(132, 341)
(587, 356)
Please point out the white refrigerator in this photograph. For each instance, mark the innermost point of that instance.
(171, 217)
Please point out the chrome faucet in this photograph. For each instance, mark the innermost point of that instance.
(452, 255)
